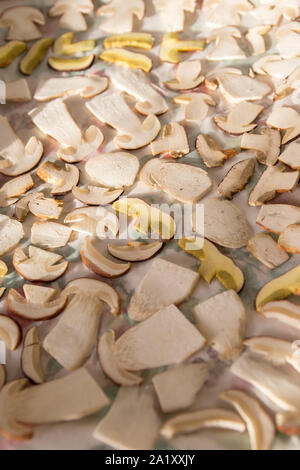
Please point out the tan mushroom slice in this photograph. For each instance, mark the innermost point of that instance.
(54, 120)
(230, 13)
(135, 251)
(273, 11)
(11, 232)
(283, 311)
(288, 422)
(10, 332)
(188, 76)
(237, 178)
(153, 292)
(22, 206)
(93, 221)
(121, 15)
(112, 109)
(126, 58)
(87, 86)
(95, 196)
(196, 105)
(210, 153)
(178, 387)
(132, 422)
(17, 157)
(240, 119)
(288, 85)
(259, 424)
(31, 357)
(266, 145)
(39, 265)
(255, 36)
(63, 179)
(50, 234)
(290, 156)
(46, 208)
(2, 376)
(289, 239)
(65, 399)
(17, 91)
(22, 23)
(99, 264)
(113, 170)
(72, 13)
(267, 251)
(173, 13)
(135, 40)
(287, 119)
(226, 46)
(288, 40)
(202, 419)
(10, 191)
(275, 66)
(73, 64)
(277, 217)
(174, 141)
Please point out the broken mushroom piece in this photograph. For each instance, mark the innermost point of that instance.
(31, 357)
(121, 15)
(93, 221)
(171, 45)
(17, 91)
(50, 234)
(173, 13)
(10, 332)
(283, 311)
(64, 45)
(289, 239)
(86, 86)
(210, 153)
(226, 47)
(63, 179)
(174, 141)
(22, 22)
(22, 206)
(11, 233)
(288, 85)
(237, 178)
(267, 251)
(288, 423)
(126, 58)
(266, 145)
(135, 251)
(196, 105)
(75, 64)
(290, 156)
(35, 56)
(188, 76)
(113, 170)
(72, 13)
(136, 40)
(10, 191)
(255, 36)
(287, 119)
(277, 217)
(10, 51)
(95, 196)
(240, 119)
(46, 208)
(2, 376)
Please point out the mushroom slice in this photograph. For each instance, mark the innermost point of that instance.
(10, 191)
(2, 290)
(266, 145)
(17, 91)
(173, 13)
(273, 12)
(240, 119)
(288, 85)
(72, 13)
(35, 56)
(63, 179)
(210, 153)
(136, 83)
(54, 120)
(87, 86)
(50, 234)
(99, 264)
(290, 156)
(138, 40)
(10, 332)
(113, 170)
(95, 196)
(11, 232)
(255, 36)
(2, 376)
(202, 419)
(230, 12)
(237, 178)
(121, 15)
(17, 157)
(74, 64)
(93, 221)
(132, 422)
(185, 380)
(288, 40)
(10, 51)
(153, 294)
(289, 239)
(171, 45)
(259, 424)
(188, 76)
(112, 109)
(214, 263)
(3, 270)
(46, 208)
(126, 58)
(197, 105)
(22, 23)
(283, 311)
(109, 362)
(22, 209)
(150, 345)
(267, 251)
(39, 265)
(70, 398)
(226, 46)
(174, 141)
(277, 217)
(287, 119)
(64, 45)
(31, 357)
(135, 251)
(275, 66)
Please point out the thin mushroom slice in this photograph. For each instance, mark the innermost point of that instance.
(237, 178)
(95, 196)
(113, 170)
(290, 156)
(93, 221)
(87, 86)
(240, 119)
(259, 424)
(272, 12)
(17, 91)
(72, 13)
(22, 23)
(74, 64)
(226, 47)
(220, 14)
(22, 206)
(135, 251)
(196, 105)
(35, 56)
(174, 141)
(171, 45)
(277, 217)
(255, 36)
(136, 40)
(10, 191)
(287, 119)
(3, 270)
(10, 51)
(50, 234)
(275, 66)
(63, 179)
(64, 45)
(2, 376)
(173, 13)
(10, 332)
(288, 40)
(267, 251)
(289, 84)
(46, 208)
(188, 76)
(31, 357)
(11, 233)
(126, 58)
(289, 239)
(288, 422)
(39, 265)
(283, 311)
(210, 153)
(121, 15)
(266, 145)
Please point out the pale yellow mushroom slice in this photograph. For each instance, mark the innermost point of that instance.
(210, 153)
(196, 105)
(135, 251)
(87, 86)
(93, 221)
(10, 51)
(171, 45)
(113, 170)
(3, 270)
(22, 22)
(46, 208)
(96, 196)
(240, 119)
(64, 46)
(266, 145)
(10, 332)
(31, 357)
(289, 239)
(120, 15)
(188, 76)
(63, 178)
(18, 91)
(2, 376)
(50, 234)
(10, 191)
(255, 36)
(173, 14)
(277, 217)
(72, 14)
(125, 58)
(22, 206)
(283, 311)
(73, 64)
(290, 156)
(226, 47)
(287, 119)
(237, 178)
(174, 141)
(135, 40)
(11, 233)
(35, 56)
(267, 251)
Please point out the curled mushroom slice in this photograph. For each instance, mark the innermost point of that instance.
(72, 13)
(35, 56)
(46, 208)
(135, 251)
(288, 85)
(10, 191)
(10, 332)
(173, 13)
(17, 91)
(95, 196)
(39, 265)
(87, 86)
(137, 40)
(11, 232)
(237, 178)
(240, 119)
(266, 145)
(267, 251)
(64, 45)
(287, 119)
(210, 153)
(290, 156)
(22, 22)
(174, 141)
(93, 221)
(2, 376)
(63, 179)
(277, 217)
(121, 15)
(226, 46)
(171, 45)
(255, 36)
(188, 76)
(10, 51)
(126, 58)
(22, 206)
(74, 64)
(31, 357)
(112, 109)
(99, 264)
(289, 239)
(259, 424)
(288, 423)
(283, 311)
(50, 234)
(113, 170)
(54, 120)
(196, 105)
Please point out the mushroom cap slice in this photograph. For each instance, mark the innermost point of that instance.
(188, 76)
(266, 145)
(287, 119)
(113, 170)
(95, 196)
(2, 376)
(171, 45)
(22, 206)
(290, 156)
(39, 265)
(87, 86)
(259, 424)
(63, 179)
(174, 141)
(267, 251)
(135, 251)
(277, 217)
(31, 357)
(196, 105)
(11, 232)
(50, 234)
(10, 191)
(46, 208)
(10, 332)
(72, 13)
(237, 88)
(120, 15)
(173, 14)
(93, 221)
(237, 178)
(240, 119)
(210, 153)
(289, 239)
(22, 21)
(284, 311)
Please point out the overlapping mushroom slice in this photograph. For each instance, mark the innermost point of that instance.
(225, 11)
(10, 191)
(287, 119)
(31, 357)
(173, 13)
(113, 170)
(87, 86)
(288, 85)
(54, 120)
(11, 232)
(240, 119)
(255, 36)
(72, 13)
(135, 40)
(196, 105)
(210, 153)
(50, 234)
(10, 332)
(174, 141)
(65, 399)
(283, 311)
(188, 76)
(171, 45)
(226, 46)
(290, 156)
(22, 206)
(17, 91)
(126, 58)
(65, 46)
(277, 217)
(276, 67)
(267, 251)
(272, 11)
(93, 221)
(266, 145)
(237, 178)
(121, 15)
(153, 292)
(289, 239)
(63, 179)
(96, 196)
(39, 265)
(135, 251)
(22, 23)
(112, 109)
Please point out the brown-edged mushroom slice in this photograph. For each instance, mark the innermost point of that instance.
(272, 12)
(255, 36)
(237, 178)
(10, 191)
(22, 206)
(31, 357)
(288, 85)
(259, 424)
(275, 66)
(188, 76)
(240, 119)
(96, 196)
(72, 13)
(174, 141)
(50, 234)
(288, 423)
(135, 251)
(3, 270)
(121, 15)
(17, 91)
(2, 376)
(63, 179)
(267, 251)
(283, 311)
(113, 170)
(39, 265)
(10, 332)
(126, 58)
(93, 221)
(287, 119)
(173, 13)
(266, 145)
(277, 217)
(22, 21)
(226, 47)
(11, 232)
(87, 86)
(196, 105)
(290, 156)
(210, 153)
(289, 239)
(46, 208)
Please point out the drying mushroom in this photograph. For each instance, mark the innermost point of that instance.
(50, 234)
(197, 105)
(112, 109)
(226, 46)
(138, 40)
(75, 64)
(188, 76)
(266, 145)
(93, 221)
(283, 311)
(267, 251)
(10, 332)
(255, 36)
(3, 270)
(54, 120)
(171, 45)
(22, 22)
(17, 157)
(288, 85)
(35, 56)
(173, 13)
(121, 15)
(210, 153)
(64, 45)
(174, 141)
(31, 357)
(65, 399)
(113, 170)
(72, 13)
(39, 265)
(46, 208)
(287, 119)
(22, 206)
(99, 264)
(289, 239)
(288, 40)
(87, 86)
(259, 424)
(2, 290)
(154, 293)
(10, 191)
(2, 376)
(277, 217)
(10, 51)
(237, 178)
(126, 58)
(225, 12)
(275, 66)
(135, 251)
(11, 232)
(291, 156)
(240, 119)
(273, 11)
(288, 423)
(17, 91)
(63, 179)
(39, 303)
(95, 196)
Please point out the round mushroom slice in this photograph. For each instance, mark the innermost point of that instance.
(93, 221)
(39, 265)
(62, 179)
(31, 357)
(96, 196)
(10, 332)
(135, 251)
(113, 170)
(11, 232)
(2, 376)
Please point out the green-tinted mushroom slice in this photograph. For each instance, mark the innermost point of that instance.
(35, 56)
(61, 64)
(64, 45)
(10, 52)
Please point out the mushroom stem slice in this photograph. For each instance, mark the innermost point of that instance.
(290, 156)
(64, 45)
(121, 15)
(10, 191)
(174, 141)
(126, 58)
(135, 251)
(210, 153)
(188, 76)
(289, 239)
(87, 86)
(22, 23)
(31, 357)
(171, 45)
(39, 265)
(95, 196)
(63, 179)
(266, 145)
(237, 178)
(240, 119)
(173, 13)
(287, 119)
(196, 105)
(10, 332)
(50, 234)
(11, 232)
(267, 251)
(138, 40)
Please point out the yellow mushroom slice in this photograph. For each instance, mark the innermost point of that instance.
(2, 376)
(99, 264)
(289, 239)
(75, 64)
(290, 156)
(46, 208)
(171, 45)
(135, 251)
(31, 357)
(10, 51)
(127, 58)
(136, 40)
(50, 234)
(121, 15)
(64, 45)
(22, 23)
(93, 221)
(174, 141)
(22, 206)
(87, 86)
(63, 179)
(237, 178)
(188, 76)
(259, 424)
(202, 419)
(39, 265)
(113, 170)
(11, 233)
(267, 251)
(54, 120)
(72, 13)
(240, 119)
(173, 13)
(226, 47)
(10, 191)
(266, 145)
(39, 304)
(283, 311)
(17, 91)
(10, 332)
(196, 105)
(95, 196)
(210, 153)
(3, 270)
(277, 217)
(152, 294)
(255, 36)
(35, 56)
(287, 119)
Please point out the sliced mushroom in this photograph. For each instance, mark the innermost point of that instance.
(10, 332)
(50, 234)
(87, 86)
(17, 91)
(288, 422)
(226, 46)
(10, 191)
(137, 40)
(2, 376)
(2, 290)
(22, 206)
(275, 66)
(95, 196)
(10, 51)
(11, 232)
(171, 45)
(113, 170)
(93, 221)
(290, 156)
(266, 145)
(173, 13)
(35, 56)
(46, 208)
(288, 40)
(223, 14)
(174, 141)
(267, 251)
(287, 119)
(39, 265)
(126, 58)
(31, 357)
(277, 217)
(255, 36)
(22, 23)
(288, 85)
(283, 311)
(135, 251)
(3, 270)
(289, 239)
(272, 12)
(210, 153)
(121, 15)
(237, 178)
(74, 64)
(64, 45)
(72, 13)
(240, 119)
(63, 179)
(153, 292)
(188, 76)
(197, 105)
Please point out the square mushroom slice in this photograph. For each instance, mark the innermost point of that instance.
(237, 178)
(11, 232)
(267, 251)
(17, 91)
(277, 217)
